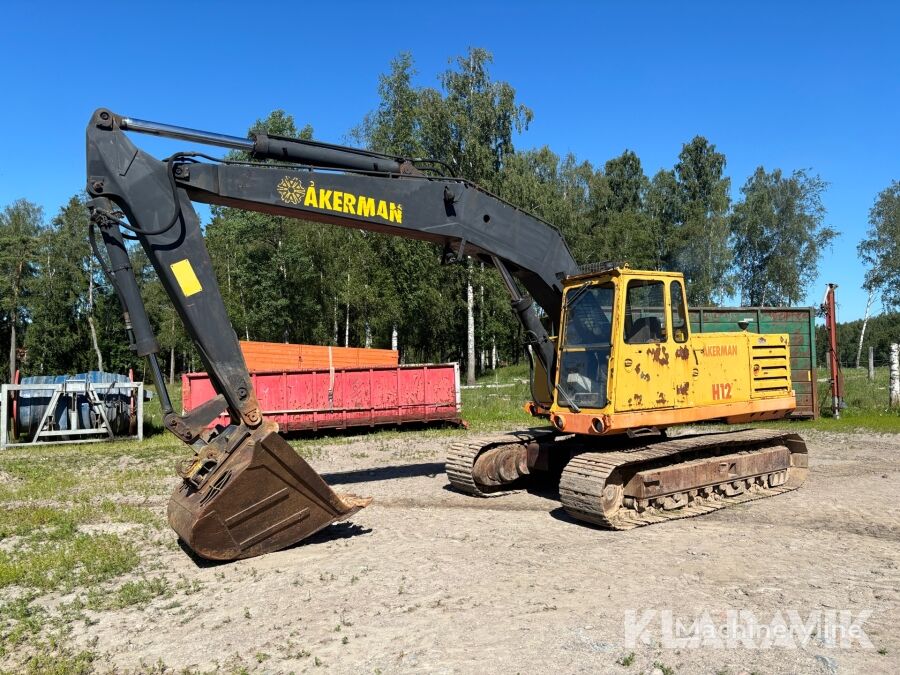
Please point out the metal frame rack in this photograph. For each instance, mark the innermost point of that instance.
(94, 392)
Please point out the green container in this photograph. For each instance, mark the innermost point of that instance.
(798, 322)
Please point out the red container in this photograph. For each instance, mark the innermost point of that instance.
(347, 397)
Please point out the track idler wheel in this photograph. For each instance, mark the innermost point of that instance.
(501, 465)
(260, 497)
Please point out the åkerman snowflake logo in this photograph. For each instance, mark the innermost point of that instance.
(291, 190)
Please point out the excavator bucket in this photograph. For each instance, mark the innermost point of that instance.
(262, 497)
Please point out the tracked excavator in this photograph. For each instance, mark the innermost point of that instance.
(614, 360)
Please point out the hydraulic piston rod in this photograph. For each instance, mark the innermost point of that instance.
(185, 134)
(264, 146)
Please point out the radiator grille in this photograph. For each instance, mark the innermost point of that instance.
(771, 369)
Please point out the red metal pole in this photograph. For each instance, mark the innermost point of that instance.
(837, 385)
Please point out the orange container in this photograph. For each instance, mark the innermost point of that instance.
(269, 356)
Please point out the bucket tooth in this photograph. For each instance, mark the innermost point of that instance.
(262, 497)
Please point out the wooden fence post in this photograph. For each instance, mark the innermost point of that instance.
(871, 364)
(895, 375)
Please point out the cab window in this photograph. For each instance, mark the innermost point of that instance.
(585, 350)
(645, 312)
(679, 312)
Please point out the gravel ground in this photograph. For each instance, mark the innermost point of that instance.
(429, 580)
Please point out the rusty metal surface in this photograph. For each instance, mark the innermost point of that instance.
(261, 496)
(592, 485)
(501, 464)
(699, 473)
(463, 455)
(636, 482)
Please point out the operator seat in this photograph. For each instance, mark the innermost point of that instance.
(645, 330)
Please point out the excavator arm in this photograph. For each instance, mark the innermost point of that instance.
(245, 491)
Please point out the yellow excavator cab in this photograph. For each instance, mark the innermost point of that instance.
(627, 359)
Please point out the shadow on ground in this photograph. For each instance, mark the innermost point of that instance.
(333, 532)
(430, 469)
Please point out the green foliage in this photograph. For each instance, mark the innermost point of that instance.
(627, 232)
(467, 125)
(63, 264)
(663, 206)
(20, 229)
(778, 237)
(59, 294)
(470, 124)
(394, 126)
(880, 250)
(700, 235)
(881, 331)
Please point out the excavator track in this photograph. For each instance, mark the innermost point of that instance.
(462, 456)
(624, 489)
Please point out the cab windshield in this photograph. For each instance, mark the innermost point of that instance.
(584, 358)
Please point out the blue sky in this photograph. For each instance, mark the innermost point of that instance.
(807, 85)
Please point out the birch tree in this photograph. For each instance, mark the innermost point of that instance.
(778, 237)
(880, 249)
(862, 333)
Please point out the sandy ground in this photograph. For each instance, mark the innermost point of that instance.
(429, 580)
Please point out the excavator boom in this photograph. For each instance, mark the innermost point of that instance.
(245, 491)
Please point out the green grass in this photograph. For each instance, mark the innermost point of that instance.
(65, 561)
(22, 624)
(60, 507)
(37, 642)
(20, 621)
(58, 659)
(497, 400)
(137, 593)
(866, 403)
(854, 420)
(626, 660)
(663, 668)
(859, 392)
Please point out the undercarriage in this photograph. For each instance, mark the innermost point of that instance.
(620, 482)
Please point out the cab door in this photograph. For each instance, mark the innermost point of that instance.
(683, 366)
(585, 348)
(644, 380)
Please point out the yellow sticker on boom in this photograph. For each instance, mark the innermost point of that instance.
(186, 277)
